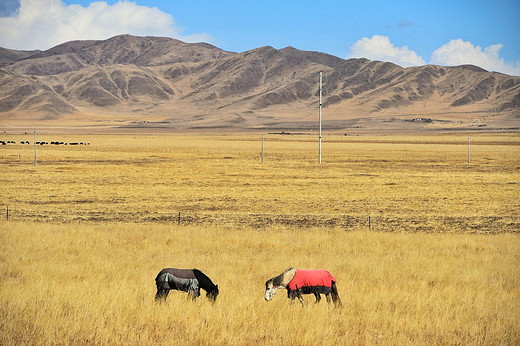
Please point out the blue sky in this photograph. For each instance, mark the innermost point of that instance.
(409, 33)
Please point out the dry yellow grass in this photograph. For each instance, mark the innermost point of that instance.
(90, 227)
(403, 183)
(95, 284)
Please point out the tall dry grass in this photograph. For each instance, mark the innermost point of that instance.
(403, 183)
(90, 227)
(76, 283)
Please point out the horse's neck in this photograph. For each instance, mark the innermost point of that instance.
(283, 279)
(204, 281)
(288, 276)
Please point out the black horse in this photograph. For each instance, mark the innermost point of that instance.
(186, 280)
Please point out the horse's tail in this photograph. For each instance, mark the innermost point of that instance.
(335, 295)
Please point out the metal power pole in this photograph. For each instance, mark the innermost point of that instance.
(321, 76)
(35, 149)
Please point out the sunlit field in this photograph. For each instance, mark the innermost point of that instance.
(402, 184)
(425, 247)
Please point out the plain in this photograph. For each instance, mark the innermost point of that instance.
(90, 226)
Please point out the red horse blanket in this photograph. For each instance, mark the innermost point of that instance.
(311, 278)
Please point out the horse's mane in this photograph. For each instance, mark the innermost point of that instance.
(204, 281)
(279, 280)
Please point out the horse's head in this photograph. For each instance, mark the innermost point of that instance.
(280, 281)
(213, 293)
(270, 289)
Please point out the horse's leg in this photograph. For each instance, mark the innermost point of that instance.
(161, 294)
(194, 293)
(300, 297)
(162, 290)
(191, 295)
(318, 296)
(291, 295)
(328, 298)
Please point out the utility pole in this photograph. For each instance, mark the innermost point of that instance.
(321, 76)
(35, 149)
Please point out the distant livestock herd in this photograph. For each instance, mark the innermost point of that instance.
(44, 143)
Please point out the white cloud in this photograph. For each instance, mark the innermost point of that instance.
(380, 48)
(453, 53)
(459, 52)
(42, 24)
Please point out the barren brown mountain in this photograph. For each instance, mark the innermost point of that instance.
(134, 82)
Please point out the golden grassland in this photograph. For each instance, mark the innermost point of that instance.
(90, 226)
(402, 183)
(77, 283)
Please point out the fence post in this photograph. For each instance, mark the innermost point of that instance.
(369, 223)
(179, 219)
(7, 214)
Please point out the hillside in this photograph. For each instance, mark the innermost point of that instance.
(133, 82)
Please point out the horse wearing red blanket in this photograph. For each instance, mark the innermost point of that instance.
(299, 282)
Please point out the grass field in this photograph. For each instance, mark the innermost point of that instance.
(402, 183)
(90, 226)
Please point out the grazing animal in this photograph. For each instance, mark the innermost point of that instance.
(298, 282)
(186, 280)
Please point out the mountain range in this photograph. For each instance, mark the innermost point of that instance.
(130, 82)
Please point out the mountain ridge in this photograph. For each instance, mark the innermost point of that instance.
(198, 85)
